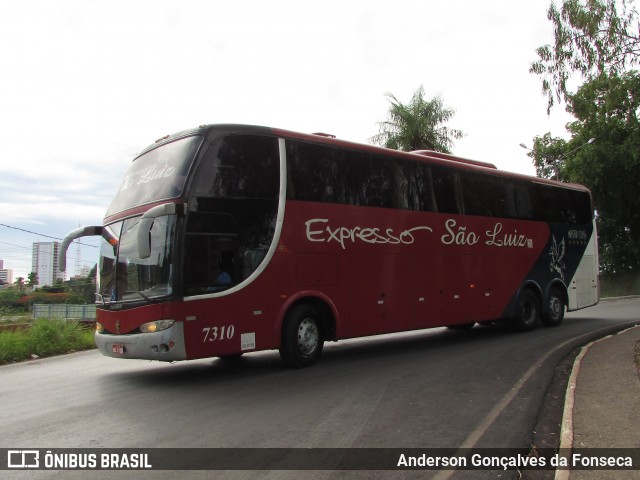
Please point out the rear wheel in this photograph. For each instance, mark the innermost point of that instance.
(528, 312)
(302, 338)
(555, 308)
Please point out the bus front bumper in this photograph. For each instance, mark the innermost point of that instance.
(166, 346)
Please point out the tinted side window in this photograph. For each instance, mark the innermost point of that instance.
(581, 202)
(411, 187)
(444, 188)
(485, 195)
(240, 166)
(320, 173)
(559, 205)
(522, 200)
(317, 173)
(545, 203)
(379, 191)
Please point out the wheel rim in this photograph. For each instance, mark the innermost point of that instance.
(308, 336)
(555, 307)
(528, 311)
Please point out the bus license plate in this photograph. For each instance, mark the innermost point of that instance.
(117, 349)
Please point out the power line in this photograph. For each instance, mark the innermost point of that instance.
(29, 231)
(41, 234)
(14, 245)
(22, 256)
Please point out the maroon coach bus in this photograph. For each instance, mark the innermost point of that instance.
(230, 239)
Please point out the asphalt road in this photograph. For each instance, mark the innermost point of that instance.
(428, 389)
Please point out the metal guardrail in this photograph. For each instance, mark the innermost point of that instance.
(67, 312)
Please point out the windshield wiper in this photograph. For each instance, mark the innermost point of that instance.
(146, 297)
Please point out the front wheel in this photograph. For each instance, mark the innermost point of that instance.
(302, 339)
(528, 312)
(555, 309)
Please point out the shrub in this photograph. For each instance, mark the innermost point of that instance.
(45, 338)
(13, 347)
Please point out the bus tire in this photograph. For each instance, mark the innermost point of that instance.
(302, 337)
(527, 313)
(555, 308)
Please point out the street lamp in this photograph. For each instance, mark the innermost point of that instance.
(561, 157)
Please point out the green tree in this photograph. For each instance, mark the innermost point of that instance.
(607, 109)
(591, 37)
(417, 125)
(32, 280)
(19, 283)
(10, 300)
(549, 154)
(83, 290)
(42, 296)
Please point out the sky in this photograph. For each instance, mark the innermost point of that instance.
(85, 85)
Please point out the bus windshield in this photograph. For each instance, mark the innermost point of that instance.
(159, 174)
(124, 276)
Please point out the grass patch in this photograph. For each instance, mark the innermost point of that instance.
(619, 285)
(44, 338)
(6, 319)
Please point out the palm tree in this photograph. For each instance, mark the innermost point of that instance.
(19, 283)
(32, 280)
(417, 125)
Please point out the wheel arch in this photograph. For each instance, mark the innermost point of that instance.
(324, 305)
(511, 309)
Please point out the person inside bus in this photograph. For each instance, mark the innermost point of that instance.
(204, 273)
(221, 279)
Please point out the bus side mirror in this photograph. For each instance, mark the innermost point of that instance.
(144, 229)
(70, 237)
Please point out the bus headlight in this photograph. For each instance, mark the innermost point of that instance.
(156, 326)
(99, 327)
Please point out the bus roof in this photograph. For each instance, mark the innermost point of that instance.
(426, 156)
(429, 156)
(453, 158)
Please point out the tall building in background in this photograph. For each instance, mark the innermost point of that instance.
(45, 263)
(6, 276)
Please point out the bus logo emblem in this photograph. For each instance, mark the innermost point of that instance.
(557, 252)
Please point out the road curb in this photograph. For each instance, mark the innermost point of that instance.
(547, 430)
(567, 425)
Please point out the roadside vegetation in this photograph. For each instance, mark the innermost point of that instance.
(16, 299)
(596, 42)
(621, 285)
(43, 338)
(23, 338)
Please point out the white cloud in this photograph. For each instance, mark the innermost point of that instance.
(86, 85)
